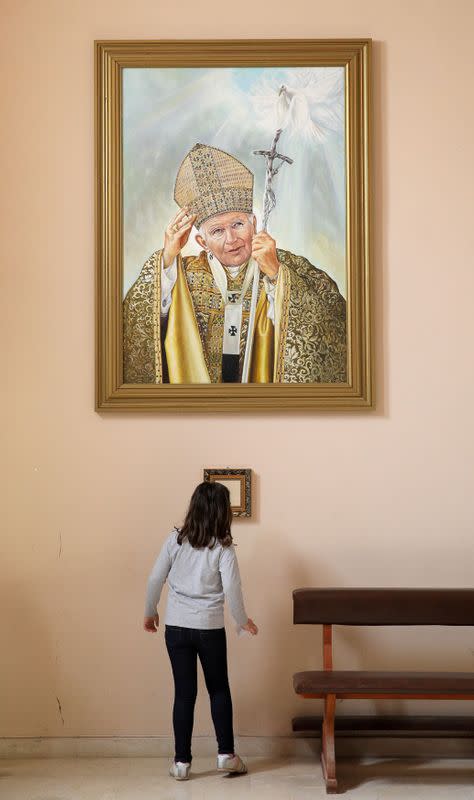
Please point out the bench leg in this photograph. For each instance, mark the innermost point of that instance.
(328, 749)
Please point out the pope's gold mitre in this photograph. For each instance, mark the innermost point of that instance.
(210, 181)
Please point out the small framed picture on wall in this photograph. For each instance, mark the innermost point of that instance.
(239, 484)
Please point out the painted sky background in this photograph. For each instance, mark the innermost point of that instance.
(166, 111)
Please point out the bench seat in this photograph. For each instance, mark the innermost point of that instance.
(378, 606)
(340, 682)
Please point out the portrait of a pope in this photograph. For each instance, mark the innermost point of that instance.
(241, 310)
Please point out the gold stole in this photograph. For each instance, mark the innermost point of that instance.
(184, 354)
(183, 346)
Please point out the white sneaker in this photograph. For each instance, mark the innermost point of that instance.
(180, 770)
(231, 764)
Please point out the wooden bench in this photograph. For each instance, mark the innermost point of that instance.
(328, 607)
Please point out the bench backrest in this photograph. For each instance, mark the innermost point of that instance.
(383, 606)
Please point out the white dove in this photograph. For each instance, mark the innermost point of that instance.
(292, 109)
(310, 107)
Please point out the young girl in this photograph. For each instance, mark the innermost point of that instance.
(200, 564)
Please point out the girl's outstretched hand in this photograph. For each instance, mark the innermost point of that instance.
(150, 624)
(250, 627)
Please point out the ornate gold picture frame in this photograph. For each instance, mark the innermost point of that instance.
(144, 147)
(239, 484)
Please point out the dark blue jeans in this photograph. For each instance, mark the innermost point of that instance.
(184, 645)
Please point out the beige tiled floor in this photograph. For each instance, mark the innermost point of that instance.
(282, 779)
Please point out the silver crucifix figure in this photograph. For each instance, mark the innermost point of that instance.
(269, 200)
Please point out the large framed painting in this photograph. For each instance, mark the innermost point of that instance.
(233, 225)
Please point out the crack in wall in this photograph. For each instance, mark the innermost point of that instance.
(60, 710)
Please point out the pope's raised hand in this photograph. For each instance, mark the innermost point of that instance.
(265, 254)
(177, 234)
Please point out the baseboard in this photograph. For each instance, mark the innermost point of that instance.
(249, 746)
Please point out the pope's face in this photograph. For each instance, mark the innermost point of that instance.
(228, 237)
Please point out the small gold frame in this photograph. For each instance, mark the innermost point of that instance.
(111, 57)
(241, 476)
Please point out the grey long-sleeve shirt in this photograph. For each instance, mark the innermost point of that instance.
(198, 581)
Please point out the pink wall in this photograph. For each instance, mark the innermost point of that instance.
(358, 499)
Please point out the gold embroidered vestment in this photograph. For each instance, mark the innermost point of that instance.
(306, 344)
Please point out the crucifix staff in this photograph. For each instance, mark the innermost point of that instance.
(269, 200)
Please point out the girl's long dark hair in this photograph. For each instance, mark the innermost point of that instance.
(209, 517)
